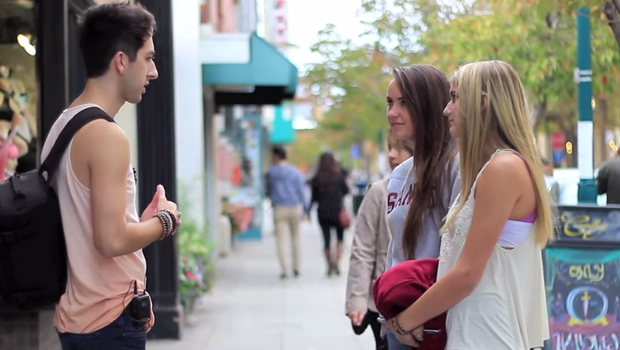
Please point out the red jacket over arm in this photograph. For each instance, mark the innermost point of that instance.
(399, 287)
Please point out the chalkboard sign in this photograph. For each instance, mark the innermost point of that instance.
(588, 225)
(583, 297)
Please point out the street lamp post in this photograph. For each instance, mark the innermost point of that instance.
(587, 192)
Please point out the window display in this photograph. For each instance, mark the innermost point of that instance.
(18, 88)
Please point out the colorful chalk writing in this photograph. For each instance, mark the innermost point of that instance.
(583, 295)
(577, 341)
(582, 225)
(589, 272)
(578, 224)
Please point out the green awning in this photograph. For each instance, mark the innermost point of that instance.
(273, 77)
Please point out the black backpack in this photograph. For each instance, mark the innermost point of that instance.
(33, 255)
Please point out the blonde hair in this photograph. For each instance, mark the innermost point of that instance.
(506, 119)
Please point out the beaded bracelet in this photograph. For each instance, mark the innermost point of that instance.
(166, 222)
(173, 218)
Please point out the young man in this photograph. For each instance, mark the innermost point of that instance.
(96, 188)
(285, 187)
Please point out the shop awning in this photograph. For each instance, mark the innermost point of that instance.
(258, 74)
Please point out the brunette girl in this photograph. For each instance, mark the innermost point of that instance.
(421, 189)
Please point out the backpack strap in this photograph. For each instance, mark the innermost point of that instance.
(51, 163)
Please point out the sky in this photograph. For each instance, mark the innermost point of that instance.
(306, 18)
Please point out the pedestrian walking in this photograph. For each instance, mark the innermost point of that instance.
(286, 190)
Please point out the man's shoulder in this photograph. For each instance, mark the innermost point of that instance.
(283, 169)
(103, 140)
(292, 169)
(615, 163)
(60, 123)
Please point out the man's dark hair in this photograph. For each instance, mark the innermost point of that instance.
(109, 28)
(279, 152)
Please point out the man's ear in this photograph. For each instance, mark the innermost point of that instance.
(119, 62)
(484, 101)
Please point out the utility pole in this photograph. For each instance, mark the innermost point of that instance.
(587, 192)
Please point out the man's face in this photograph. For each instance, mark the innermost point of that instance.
(140, 72)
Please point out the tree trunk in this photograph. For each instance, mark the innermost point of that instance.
(612, 9)
(539, 112)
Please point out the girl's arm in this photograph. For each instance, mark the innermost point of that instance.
(496, 195)
(364, 249)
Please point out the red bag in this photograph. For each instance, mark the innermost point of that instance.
(345, 220)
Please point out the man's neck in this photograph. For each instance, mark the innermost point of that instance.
(98, 92)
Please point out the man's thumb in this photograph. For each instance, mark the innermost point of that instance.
(161, 191)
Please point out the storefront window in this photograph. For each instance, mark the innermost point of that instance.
(18, 87)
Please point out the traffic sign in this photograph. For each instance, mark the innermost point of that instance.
(558, 156)
(557, 140)
(355, 151)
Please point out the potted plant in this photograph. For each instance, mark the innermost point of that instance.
(196, 273)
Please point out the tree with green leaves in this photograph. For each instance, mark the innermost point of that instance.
(607, 12)
(537, 37)
(351, 81)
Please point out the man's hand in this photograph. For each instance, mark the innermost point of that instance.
(356, 317)
(160, 202)
(151, 209)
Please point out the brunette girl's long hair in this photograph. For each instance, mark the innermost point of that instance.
(328, 169)
(426, 92)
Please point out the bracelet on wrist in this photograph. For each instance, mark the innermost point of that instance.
(173, 218)
(401, 331)
(397, 328)
(166, 223)
(173, 222)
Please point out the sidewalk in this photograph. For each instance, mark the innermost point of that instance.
(250, 308)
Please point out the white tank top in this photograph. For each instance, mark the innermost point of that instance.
(507, 310)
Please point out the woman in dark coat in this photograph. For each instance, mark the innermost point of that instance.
(328, 190)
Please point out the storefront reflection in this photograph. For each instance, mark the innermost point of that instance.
(18, 88)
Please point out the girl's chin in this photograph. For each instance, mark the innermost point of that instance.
(403, 136)
(453, 132)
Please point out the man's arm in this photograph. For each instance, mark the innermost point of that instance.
(108, 162)
(301, 191)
